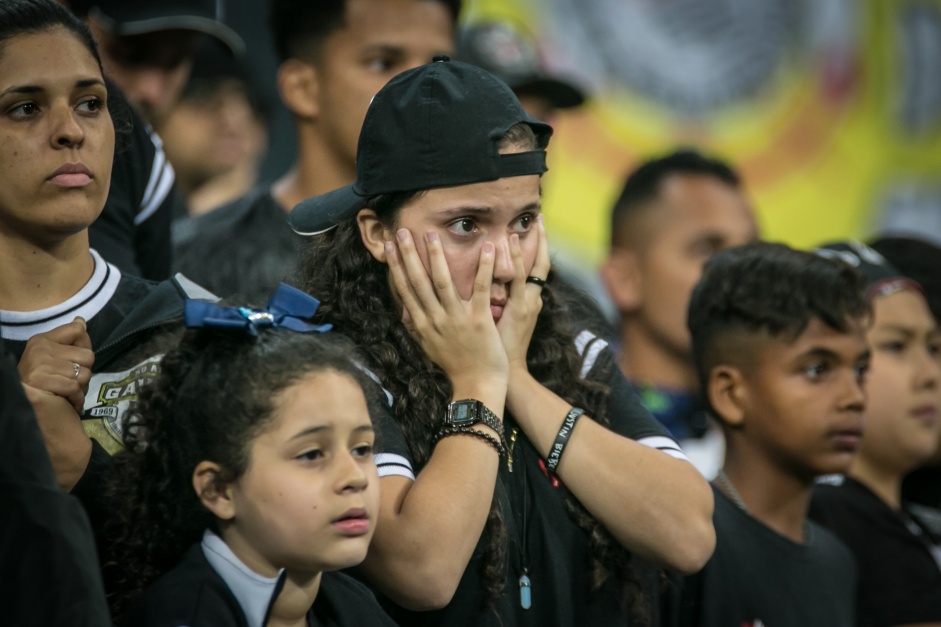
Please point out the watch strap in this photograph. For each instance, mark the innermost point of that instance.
(490, 419)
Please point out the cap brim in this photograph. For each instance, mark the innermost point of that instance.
(154, 24)
(560, 94)
(321, 213)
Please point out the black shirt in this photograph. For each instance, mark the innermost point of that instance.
(541, 534)
(196, 594)
(131, 322)
(759, 577)
(899, 579)
(133, 230)
(244, 248)
(48, 566)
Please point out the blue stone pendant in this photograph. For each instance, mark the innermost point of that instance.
(526, 596)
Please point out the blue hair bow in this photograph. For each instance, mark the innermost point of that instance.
(288, 308)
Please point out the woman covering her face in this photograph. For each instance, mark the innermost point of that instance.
(521, 480)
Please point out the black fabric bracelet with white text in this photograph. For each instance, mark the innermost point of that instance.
(492, 441)
(555, 453)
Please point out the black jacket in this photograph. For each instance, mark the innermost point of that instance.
(131, 323)
(195, 595)
(48, 571)
(133, 230)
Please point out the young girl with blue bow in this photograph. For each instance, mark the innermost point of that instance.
(249, 476)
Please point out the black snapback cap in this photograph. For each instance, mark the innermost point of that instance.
(136, 17)
(881, 277)
(432, 126)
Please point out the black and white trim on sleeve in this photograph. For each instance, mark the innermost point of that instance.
(589, 346)
(665, 444)
(366, 371)
(390, 464)
(159, 185)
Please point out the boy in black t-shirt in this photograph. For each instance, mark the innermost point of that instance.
(779, 343)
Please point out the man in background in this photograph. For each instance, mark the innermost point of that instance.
(216, 134)
(334, 56)
(147, 48)
(673, 213)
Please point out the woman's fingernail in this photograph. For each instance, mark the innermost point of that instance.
(390, 248)
(402, 234)
(432, 236)
(488, 248)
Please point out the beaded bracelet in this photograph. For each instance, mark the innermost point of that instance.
(555, 453)
(492, 441)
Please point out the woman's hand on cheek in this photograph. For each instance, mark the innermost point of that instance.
(460, 336)
(524, 301)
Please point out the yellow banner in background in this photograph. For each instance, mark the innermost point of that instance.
(830, 109)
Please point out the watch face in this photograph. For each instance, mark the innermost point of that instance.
(463, 412)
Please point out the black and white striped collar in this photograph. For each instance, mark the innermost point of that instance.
(87, 303)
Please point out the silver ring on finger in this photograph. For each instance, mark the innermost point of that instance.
(76, 369)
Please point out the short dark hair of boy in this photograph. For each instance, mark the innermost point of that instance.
(643, 184)
(299, 27)
(770, 290)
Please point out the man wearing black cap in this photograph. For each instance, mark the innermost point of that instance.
(148, 45)
(147, 48)
(511, 55)
(334, 57)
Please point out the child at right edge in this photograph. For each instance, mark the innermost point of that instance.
(780, 348)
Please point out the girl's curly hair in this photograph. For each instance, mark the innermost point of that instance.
(356, 297)
(215, 393)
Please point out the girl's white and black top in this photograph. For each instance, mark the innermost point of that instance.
(212, 586)
(556, 551)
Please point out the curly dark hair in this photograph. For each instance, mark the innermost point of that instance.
(356, 297)
(215, 392)
(771, 289)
